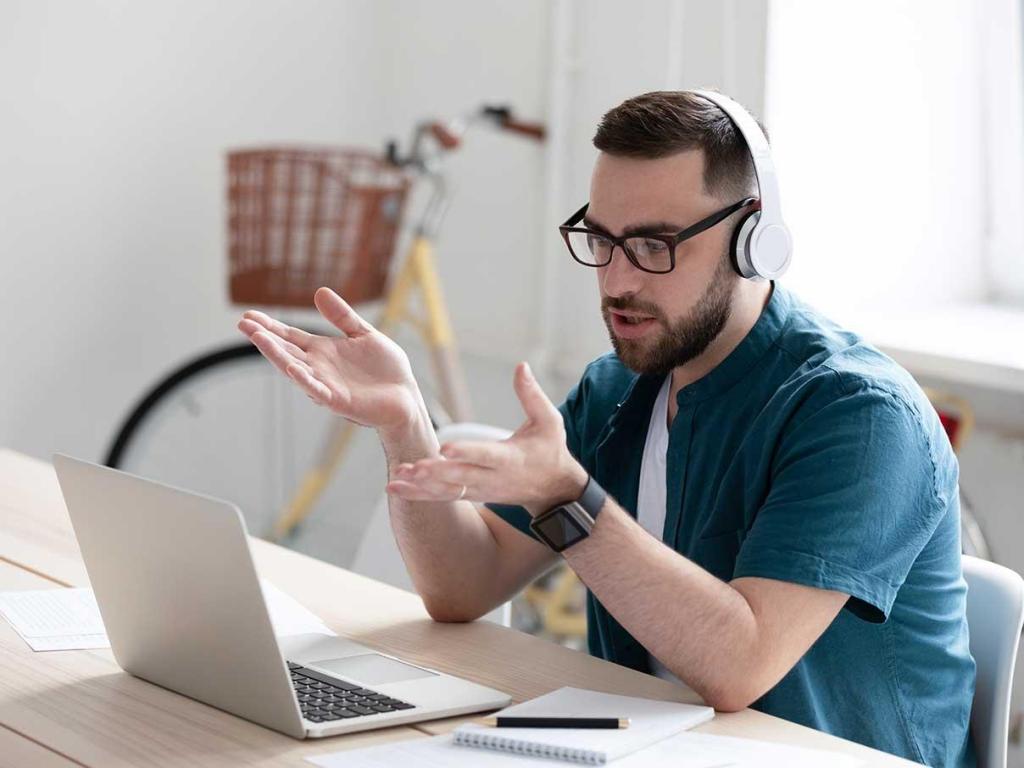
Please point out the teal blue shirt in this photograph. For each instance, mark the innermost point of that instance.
(810, 457)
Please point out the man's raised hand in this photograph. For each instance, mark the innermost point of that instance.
(533, 466)
(362, 374)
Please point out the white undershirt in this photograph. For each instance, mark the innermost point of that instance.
(651, 498)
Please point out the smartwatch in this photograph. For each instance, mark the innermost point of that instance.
(571, 521)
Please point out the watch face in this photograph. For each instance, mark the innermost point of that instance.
(559, 529)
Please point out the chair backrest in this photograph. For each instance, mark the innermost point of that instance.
(378, 556)
(995, 610)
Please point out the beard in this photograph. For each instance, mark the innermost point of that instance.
(681, 341)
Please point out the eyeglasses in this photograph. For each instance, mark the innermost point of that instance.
(648, 252)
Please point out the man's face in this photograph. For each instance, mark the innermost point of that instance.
(685, 309)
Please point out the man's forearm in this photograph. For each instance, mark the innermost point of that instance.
(701, 628)
(446, 545)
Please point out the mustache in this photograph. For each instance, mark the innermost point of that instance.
(629, 305)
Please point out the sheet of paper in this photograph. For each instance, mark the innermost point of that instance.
(68, 642)
(441, 752)
(69, 619)
(289, 616)
(684, 750)
(55, 619)
(48, 612)
(748, 753)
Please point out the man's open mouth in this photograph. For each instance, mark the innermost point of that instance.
(631, 326)
(632, 319)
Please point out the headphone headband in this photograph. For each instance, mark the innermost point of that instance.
(764, 168)
(767, 247)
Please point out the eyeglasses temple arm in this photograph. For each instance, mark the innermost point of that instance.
(713, 219)
(577, 217)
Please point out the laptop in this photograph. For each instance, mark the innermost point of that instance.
(182, 605)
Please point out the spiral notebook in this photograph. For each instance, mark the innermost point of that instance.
(650, 722)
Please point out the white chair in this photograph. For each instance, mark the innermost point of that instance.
(995, 610)
(378, 556)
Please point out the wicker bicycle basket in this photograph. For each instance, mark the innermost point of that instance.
(300, 218)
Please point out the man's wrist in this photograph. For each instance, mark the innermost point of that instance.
(409, 440)
(568, 487)
(576, 481)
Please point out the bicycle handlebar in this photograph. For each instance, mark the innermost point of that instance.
(530, 130)
(448, 135)
(502, 117)
(446, 138)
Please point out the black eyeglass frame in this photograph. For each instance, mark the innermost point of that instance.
(671, 241)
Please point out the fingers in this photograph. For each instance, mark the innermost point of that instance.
(416, 482)
(489, 454)
(250, 327)
(337, 312)
(296, 336)
(289, 359)
(318, 392)
(272, 348)
(440, 475)
(535, 403)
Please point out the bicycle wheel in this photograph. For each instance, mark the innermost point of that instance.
(128, 432)
(227, 424)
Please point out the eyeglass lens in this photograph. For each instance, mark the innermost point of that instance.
(596, 251)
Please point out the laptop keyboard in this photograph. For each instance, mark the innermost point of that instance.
(324, 699)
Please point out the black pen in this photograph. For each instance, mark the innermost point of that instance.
(557, 722)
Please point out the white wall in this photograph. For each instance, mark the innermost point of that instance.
(114, 120)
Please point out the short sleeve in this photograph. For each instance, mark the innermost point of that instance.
(854, 498)
(517, 516)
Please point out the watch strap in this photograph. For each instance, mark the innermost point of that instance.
(593, 497)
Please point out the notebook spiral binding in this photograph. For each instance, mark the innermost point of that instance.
(529, 748)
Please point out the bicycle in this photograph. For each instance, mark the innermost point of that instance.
(189, 418)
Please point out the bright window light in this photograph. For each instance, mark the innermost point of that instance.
(880, 115)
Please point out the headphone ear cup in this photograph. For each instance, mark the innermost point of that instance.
(739, 250)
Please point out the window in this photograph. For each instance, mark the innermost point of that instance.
(896, 126)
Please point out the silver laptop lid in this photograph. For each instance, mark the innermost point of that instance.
(178, 592)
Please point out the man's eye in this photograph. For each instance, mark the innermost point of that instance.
(643, 246)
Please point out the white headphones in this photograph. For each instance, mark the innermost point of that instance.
(761, 244)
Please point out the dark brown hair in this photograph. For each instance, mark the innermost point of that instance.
(662, 123)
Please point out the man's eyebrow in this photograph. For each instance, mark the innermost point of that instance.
(643, 228)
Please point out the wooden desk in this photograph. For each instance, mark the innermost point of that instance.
(66, 708)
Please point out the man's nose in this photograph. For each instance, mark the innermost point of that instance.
(619, 277)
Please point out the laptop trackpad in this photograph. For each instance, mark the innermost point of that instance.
(371, 669)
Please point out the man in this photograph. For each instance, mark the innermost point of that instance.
(781, 526)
